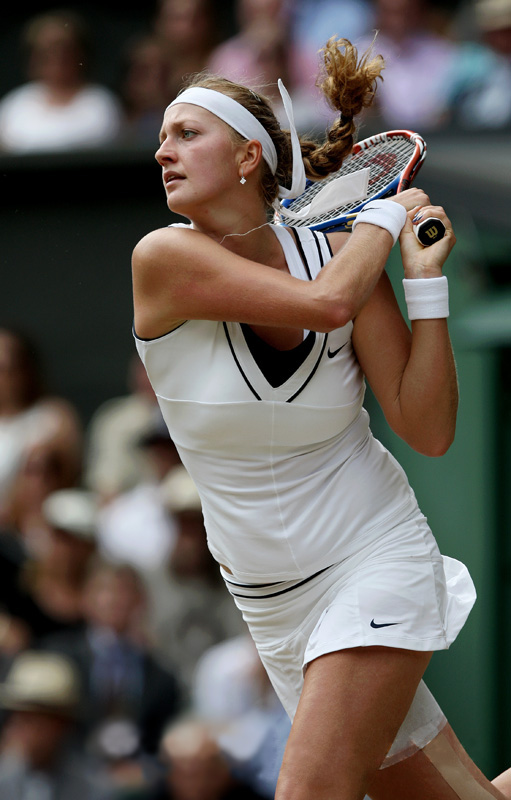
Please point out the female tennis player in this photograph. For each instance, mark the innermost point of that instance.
(258, 340)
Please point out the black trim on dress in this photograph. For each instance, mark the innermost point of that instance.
(320, 254)
(316, 365)
(282, 591)
(300, 250)
(327, 240)
(238, 363)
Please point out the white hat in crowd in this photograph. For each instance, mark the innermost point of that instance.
(41, 681)
(72, 510)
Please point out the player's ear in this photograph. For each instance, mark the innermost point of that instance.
(251, 156)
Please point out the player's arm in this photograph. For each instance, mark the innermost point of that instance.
(181, 274)
(412, 373)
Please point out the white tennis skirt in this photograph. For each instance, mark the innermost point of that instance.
(399, 591)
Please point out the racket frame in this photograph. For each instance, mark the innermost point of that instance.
(401, 182)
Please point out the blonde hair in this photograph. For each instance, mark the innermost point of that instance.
(348, 84)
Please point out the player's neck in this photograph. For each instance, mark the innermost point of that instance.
(247, 234)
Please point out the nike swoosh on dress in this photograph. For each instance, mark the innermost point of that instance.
(382, 624)
(332, 353)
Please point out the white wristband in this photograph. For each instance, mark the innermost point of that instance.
(384, 213)
(427, 298)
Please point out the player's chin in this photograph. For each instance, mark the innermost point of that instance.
(174, 188)
(174, 201)
(181, 207)
(185, 200)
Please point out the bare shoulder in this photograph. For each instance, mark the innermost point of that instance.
(160, 243)
(164, 256)
(174, 256)
(156, 263)
(180, 274)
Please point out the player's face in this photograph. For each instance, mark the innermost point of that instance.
(198, 158)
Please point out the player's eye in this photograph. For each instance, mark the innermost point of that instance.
(187, 134)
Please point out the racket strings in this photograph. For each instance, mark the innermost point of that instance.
(386, 159)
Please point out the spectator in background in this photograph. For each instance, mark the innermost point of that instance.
(38, 476)
(233, 695)
(32, 422)
(37, 759)
(116, 746)
(416, 89)
(184, 32)
(263, 51)
(189, 607)
(482, 73)
(135, 527)
(14, 633)
(45, 595)
(121, 678)
(58, 579)
(315, 21)
(24, 538)
(197, 769)
(114, 461)
(187, 31)
(59, 108)
(143, 89)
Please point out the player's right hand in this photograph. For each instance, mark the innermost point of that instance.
(411, 198)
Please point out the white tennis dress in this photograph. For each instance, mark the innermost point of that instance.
(314, 518)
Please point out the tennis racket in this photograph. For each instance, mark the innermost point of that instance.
(378, 167)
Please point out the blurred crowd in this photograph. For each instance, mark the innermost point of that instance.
(446, 65)
(126, 672)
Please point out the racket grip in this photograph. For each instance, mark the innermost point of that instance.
(428, 231)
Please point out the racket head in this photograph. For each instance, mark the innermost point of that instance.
(393, 158)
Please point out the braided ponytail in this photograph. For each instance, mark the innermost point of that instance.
(349, 86)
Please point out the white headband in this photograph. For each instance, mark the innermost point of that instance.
(239, 118)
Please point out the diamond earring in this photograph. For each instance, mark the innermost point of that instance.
(242, 179)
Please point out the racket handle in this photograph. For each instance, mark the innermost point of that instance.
(428, 231)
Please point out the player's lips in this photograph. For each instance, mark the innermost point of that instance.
(170, 177)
